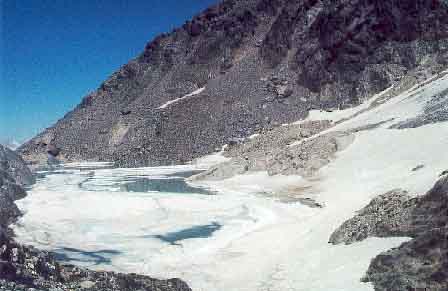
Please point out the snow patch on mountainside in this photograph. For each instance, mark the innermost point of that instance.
(196, 92)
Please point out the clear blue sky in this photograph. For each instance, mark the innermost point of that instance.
(53, 52)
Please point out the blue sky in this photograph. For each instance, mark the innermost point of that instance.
(53, 52)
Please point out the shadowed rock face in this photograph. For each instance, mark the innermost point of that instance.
(419, 263)
(14, 165)
(262, 63)
(344, 37)
(14, 174)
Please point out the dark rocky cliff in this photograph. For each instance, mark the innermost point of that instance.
(14, 175)
(262, 63)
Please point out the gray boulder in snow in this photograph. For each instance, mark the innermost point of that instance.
(419, 264)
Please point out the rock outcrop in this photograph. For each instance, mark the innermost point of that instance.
(386, 215)
(421, 263)
(14, 165)
(26, 268)
(14, 175)
(261, 63)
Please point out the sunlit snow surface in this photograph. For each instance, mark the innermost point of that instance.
(196, 92)
(228, 236)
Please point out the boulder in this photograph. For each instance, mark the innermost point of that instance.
(419, 264)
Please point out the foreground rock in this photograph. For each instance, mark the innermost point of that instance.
(26, 268)
(22, 268)
(420, 264)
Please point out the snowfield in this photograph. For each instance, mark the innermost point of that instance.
(263, 244)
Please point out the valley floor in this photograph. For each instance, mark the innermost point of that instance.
(262, 242)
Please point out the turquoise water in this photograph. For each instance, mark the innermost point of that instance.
(170, 185)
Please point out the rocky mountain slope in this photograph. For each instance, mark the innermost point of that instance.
(346, 99)
(26, 268)
(245, 66)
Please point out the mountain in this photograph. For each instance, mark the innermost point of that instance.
(244, 67)
(339, 107)
(11, 144)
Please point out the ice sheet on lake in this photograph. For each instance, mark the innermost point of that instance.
(254, 231)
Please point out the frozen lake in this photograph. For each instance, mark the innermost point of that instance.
(151, 221)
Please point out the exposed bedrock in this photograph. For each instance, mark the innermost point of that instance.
(421, 263)
(261, 63)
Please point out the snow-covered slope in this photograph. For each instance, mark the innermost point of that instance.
(380, 159)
